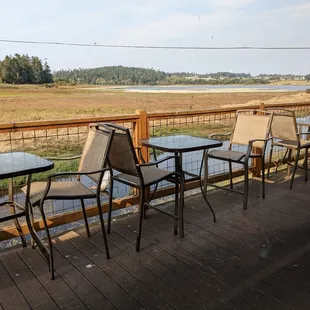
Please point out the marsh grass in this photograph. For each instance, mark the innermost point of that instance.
(31, 102)
(197, 130)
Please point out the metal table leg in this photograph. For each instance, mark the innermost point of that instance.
(178, 166)
(13, 211)
(203, 187)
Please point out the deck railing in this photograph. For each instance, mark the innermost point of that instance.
(62, 138)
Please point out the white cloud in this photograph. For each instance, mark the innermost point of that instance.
(228, 3)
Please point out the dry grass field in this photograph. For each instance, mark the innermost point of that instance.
(27, 103)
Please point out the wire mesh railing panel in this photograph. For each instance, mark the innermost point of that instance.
(55, 143)
(202, 125)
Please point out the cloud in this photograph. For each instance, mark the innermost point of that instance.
(229, 3)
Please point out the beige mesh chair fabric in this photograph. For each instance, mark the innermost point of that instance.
(94, 153)
(93, 165)
(284, 126)
(251, 129)
(122, 156)
(284, 134)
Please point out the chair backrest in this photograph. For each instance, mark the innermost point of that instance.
(95, 151)
(122, 156)
(284, 126)
(250, 125)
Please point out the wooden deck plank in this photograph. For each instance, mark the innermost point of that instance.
(282, 296)
(94, 250)
(212, 302)
(180, 283)
(30, 287)
(10, 295)
(285, 284)
(227, 277)
(63, 296)
(89, 294)
(201, 280)
(111, 290)
(150, 280)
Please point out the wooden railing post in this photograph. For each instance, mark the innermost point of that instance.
(142, 132)
(257, 163)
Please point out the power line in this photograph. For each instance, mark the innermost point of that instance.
(160, 47)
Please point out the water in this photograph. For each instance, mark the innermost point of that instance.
(217, 88)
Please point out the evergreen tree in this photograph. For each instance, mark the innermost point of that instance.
(22, 69)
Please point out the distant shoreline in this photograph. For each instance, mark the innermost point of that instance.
(242, 88)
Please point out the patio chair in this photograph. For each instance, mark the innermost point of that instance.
(125, 168)
(93, 164)
(250, 132)
(284, 134)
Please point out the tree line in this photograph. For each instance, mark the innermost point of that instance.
(120, 75)
(22, 69)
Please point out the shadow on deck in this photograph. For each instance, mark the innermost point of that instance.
(254, 259)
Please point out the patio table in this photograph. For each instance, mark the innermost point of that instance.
(15, 164)
(180, 144)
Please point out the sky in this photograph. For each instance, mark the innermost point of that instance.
(207, 23)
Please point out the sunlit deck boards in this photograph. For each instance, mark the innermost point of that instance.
(254, 259)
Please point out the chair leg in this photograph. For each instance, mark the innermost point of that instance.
(263, 177)
(176, 208)
(110, 206)
(295, 167)
(102, 227)
(140, 219)
(145, 208)
(85, 218)
(206, 171)
(306, 164)
(246, 186)
(32, 223)
(269, 161)
(181, 206)
(50, 250)
(289, 159)
(230, 175)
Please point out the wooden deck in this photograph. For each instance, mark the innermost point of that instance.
(254, 259)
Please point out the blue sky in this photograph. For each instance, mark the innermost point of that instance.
(162, 22)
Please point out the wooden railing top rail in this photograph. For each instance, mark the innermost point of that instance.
(222, 110)
(64, 123)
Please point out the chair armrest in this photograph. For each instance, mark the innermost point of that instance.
(67, 173)
(220, 135)
(303, 125)
(157, 161)
(250, 146)
(140, 153)
(303, 133)
(64, 158)
(259, 140)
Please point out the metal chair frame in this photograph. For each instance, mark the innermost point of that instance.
(48, 252)
(175, 177)
(288, 153)
(245, 159)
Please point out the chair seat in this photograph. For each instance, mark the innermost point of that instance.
(293, 144)
(150, 175)
(227, 154)
(59, 190)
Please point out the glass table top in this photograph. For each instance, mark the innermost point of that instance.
(20, 163)
(180, 143)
